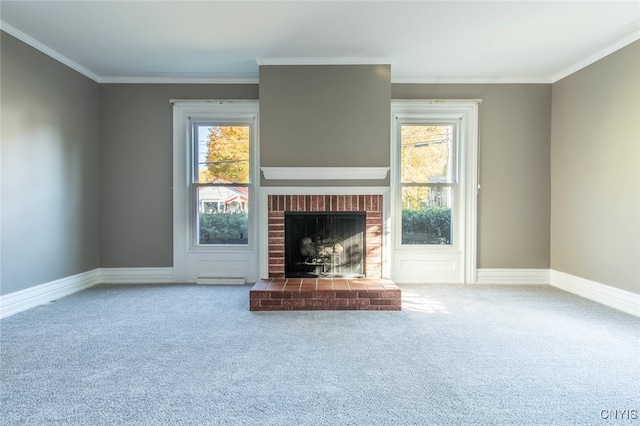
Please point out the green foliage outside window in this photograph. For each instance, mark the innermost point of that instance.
(224, 228)
(426, 226)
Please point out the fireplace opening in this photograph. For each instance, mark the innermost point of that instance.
(318, 244)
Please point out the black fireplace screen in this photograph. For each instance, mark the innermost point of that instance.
(324, 244)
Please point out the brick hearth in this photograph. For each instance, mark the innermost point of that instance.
(289, 294)
(370, 204)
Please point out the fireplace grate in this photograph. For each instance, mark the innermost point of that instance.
(325, 244)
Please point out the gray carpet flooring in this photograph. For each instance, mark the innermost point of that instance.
(195, 355)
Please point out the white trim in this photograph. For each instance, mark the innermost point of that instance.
(466, 113)
(470, 176)
(628, 39)
(324, 190)
(533, 79)
(221, 280)
(188, 258)
(195, 106)
(311, 173)
(22, 300)
(325, 61)
(31, 297)
(180, 192)
(251, 78)
(9, 29)
(415, 105)
(512, 276)
(235, 79)
(136, 275)
(622, 300)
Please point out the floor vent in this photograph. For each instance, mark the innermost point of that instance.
(221, 280)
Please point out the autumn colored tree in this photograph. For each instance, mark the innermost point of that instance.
(424, 159)
(228, 154)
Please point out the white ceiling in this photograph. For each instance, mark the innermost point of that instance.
(425, 41)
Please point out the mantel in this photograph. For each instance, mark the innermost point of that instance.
(320, 173)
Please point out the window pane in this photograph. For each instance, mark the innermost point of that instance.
(426, 215)
(426, 154)
(223, 216)
(223, 154)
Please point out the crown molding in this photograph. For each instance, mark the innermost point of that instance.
(325, 61)
(631, 37)
(180, 80)
(470, 80)
(27, 39)
(623, 42)
(9, 29)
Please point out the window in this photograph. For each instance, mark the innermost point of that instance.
(221, 181)
(433, 190)
(427, 182)
(215, 147)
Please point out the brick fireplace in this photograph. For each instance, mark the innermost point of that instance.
(371, 293)
(277, 205)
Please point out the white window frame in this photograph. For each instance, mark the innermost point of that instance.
(418, 120)
(188, 255)
(219, 120)
(463, 250)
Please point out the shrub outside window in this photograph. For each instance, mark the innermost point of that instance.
(427, 181)
(221, 182)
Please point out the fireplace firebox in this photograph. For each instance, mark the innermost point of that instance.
(370, 204)
(324, 244)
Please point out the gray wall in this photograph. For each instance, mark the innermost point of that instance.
(49, 169)
(514, 168)
(53, 118)
(135, 169)
(325, 116)
(595, 151)
(136, 147)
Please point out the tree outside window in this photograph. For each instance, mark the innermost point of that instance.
(223, 183)
(426, 175)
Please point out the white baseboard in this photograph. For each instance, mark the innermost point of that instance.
(137, 275)
(512, 276)
(221, 280)
(22, 300)
(614, 297)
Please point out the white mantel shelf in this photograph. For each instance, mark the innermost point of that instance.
(321, 173)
